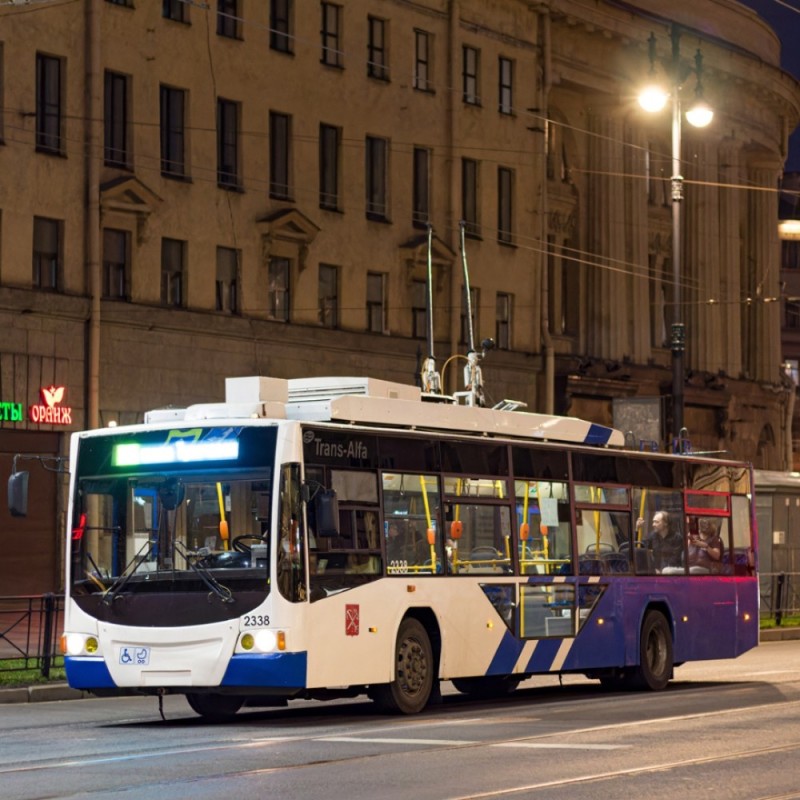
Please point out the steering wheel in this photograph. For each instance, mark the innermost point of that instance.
(238, 542)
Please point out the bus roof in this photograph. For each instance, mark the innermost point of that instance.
(385, 403)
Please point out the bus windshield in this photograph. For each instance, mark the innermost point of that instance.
(197, 523)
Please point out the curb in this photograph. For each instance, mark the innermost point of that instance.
(778, 634)
(41, 693)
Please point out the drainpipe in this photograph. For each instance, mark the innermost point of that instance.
(547, 342)
(93, 155)
(453, 214)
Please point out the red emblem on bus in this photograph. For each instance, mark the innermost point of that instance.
(351, 620)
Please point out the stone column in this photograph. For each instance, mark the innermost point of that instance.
(609, 305)
(762, 274)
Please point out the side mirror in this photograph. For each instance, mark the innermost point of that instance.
(326, 511)
(18, 494)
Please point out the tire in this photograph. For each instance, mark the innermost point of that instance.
(486, 687)
(414, 669)
(215, 707)
(655, 654)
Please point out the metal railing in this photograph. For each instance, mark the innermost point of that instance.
(30, 627)
(780, 595)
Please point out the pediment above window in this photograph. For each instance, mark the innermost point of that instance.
(127, 197)
(287, 228)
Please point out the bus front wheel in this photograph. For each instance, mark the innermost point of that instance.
(215, 707)
(414, 668)
(655, 654)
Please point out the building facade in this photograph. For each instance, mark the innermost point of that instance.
(189, 193)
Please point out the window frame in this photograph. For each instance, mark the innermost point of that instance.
(281, 39)
(505, 205)
(377, 48)
(116, 273)
(505, 89)
(227, 286)
(229, 23)
(172, 122)
(116, 124)
(470, 205)
(228, 149)
(330, 137)
(423, 57)
(331, 35)
(376, 307)
(173, 277)
(328, 303)
(52, 260)
(376, 178)
(50, 86)
(421, 189)
(470, 75)
(280, 155)
(279, 297)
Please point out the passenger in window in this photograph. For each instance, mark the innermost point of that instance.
(705, 548)
(395, 546)
(664, 541)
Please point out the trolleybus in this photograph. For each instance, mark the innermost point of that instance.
(333, 537)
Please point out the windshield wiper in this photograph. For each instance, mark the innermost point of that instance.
(119, 584)
(223, 592)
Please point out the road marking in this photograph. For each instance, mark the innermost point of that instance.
(564, 746)
(393, 740)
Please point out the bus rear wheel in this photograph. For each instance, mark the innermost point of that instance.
(215, 707)
(655, 654)
(414, 668)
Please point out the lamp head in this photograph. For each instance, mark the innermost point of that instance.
(653, 98)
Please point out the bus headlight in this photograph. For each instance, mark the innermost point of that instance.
(264, 641)
(79, 644)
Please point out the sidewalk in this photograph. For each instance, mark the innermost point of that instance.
(45, 692)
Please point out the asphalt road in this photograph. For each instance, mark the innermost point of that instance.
(722, 729)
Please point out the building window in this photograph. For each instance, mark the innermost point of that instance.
(228, 21)
(422, 61)
(279, 155)
(173, 132)
(505, 205)
(421, 185)
(329, 146)
(419, 313)
(474, 295)
(328, 295)
(115, 120)
(177, 10)
(469, 73)
(280, 25)
(469, 196)
(116, 264)
(376, 302)
(377, 53)
(128, 3)
(791, 315)
(791, 368)
(790, 254)
(49, 137)
(47, 253)
(376, 178)
(506, 90)
(331, 35)
(173, 261)
(278, 301)
(502, 337)
(228, 144)
(227, 280)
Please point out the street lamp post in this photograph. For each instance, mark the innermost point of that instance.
(699, 115)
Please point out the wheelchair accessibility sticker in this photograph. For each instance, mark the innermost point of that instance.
(134, 656)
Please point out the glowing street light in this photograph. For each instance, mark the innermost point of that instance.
(700, 114)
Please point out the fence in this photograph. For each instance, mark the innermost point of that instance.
(780, 595)
(30, 627)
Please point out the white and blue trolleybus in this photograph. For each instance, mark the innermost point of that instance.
(333, 537)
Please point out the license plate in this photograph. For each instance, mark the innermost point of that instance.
(134, 656)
